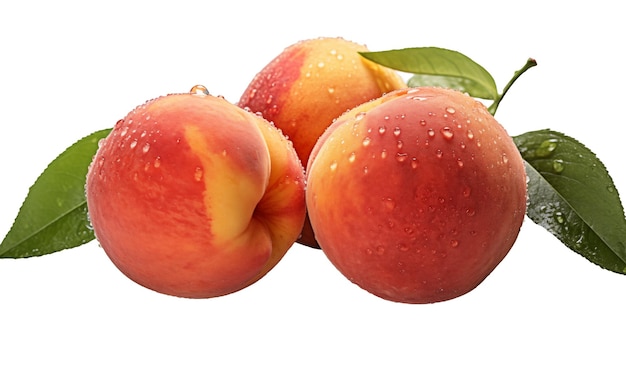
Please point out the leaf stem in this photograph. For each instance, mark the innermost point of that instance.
(529, 63)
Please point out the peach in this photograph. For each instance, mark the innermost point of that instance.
(192, 196)
(311, 83)
(416, 196)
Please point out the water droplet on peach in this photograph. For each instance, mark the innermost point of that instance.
(401, 157)
(439, 153)
(396, 131)
(454, 243)
(389, 203)
(383, 154)
(470, 134)
(199, 90)
(450, 110)
(351, 157)
(422, 122)
(431, 132)
(133, 144)
(366, 141)
(333, 166)
(157, 162)
(447, 133)
(145, 148)
(382, 129)
(198, 173)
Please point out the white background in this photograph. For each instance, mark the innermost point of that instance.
(70, 68)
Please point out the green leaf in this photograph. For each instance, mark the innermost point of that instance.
(571, 195)
(439, 67)
(54, 215)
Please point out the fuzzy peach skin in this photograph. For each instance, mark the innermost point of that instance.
(312, 82)
(194, 197)
(416, 196)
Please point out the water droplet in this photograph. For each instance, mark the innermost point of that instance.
(414, 163)
(558, 166)
(331, 90)
(360, 115)
(133, 144)
(383, 154)
(439, 153)
(431, 132)
(610, 189)
(447, 133)
(352, 157)
(559, 217)
(470, 134)
(396, 131)
(401, 157)
(454, 243)
(320, 64)
(199, 90)
(399, 144)
(157, 162)
(422, 122)
(470, 212)
(124, 131)
(366, 141)
(546, 148)
(382, 129)
(459, 162)
(389, 203)
(198, 173)
(333, 165)
(451, 110)
(145, 148)
(365, 170)
(505, 159)
(467, 191)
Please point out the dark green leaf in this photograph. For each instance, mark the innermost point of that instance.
(439, 67)
(54, 215)
(572, 195)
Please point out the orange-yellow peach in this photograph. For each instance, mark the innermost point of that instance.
(416, 196)
(311, 83)
(192, 196)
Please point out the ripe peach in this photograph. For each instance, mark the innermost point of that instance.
(195, 197)
(416, 196)
(311, 83)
